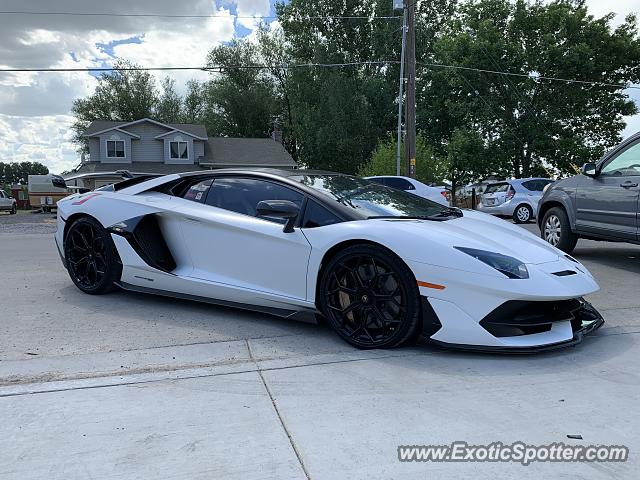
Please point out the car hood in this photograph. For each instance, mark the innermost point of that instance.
(481, 231)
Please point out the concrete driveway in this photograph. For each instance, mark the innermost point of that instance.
(133, 386)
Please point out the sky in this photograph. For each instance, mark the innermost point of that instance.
(35, 107)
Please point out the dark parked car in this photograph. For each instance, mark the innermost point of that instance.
(599, 204)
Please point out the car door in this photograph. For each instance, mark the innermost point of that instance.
(230, 244)
(607, 204)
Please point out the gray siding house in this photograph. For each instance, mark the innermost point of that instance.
(148, 146)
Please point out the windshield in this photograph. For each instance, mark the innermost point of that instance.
(369, 198)
(497, 187)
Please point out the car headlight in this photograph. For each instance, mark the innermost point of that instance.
(509, 266)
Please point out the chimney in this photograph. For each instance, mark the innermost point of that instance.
(276, 134)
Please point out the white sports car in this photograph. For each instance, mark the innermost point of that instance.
(382, 266)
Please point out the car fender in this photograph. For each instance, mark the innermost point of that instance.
(558, 196)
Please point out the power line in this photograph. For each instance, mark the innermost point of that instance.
(320, 65)
(160, 15)
(210, 68)
(533, 77)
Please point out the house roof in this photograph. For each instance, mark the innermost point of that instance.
(99, 126)
(246, 152)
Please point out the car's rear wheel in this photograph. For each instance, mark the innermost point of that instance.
(556, 230)
(370, 297)
(522, 214)
(14, 210)
(91, 257)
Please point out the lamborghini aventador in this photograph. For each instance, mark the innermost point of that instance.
(381, 266)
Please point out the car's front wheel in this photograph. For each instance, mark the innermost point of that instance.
(370, 297)
(556, 230)
(92, 259)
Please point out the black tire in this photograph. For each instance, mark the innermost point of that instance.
(523, 213)
(92, 259)
(13, 210)
(370, 297)
(555, 229)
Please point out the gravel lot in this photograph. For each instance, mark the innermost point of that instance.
(25, 222)
(137, 386)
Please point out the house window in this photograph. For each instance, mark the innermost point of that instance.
(115, 148)
(178, 150)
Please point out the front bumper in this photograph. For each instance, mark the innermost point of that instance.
(520, 321)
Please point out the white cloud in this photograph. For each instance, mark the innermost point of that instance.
(45, 139)
(35, 107)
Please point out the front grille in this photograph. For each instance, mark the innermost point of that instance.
(516, 317)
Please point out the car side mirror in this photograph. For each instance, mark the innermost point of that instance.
(279, 209)
(589, 169)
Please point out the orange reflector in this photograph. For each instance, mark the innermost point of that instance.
(431, 285)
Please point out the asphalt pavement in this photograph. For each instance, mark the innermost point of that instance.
(127, 386)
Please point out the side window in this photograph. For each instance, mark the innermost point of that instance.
(531, 185)
(399, 183)
(626, 164)
(316, 215)
(242, 195)
(198, 191)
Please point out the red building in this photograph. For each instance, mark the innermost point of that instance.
(19, 192)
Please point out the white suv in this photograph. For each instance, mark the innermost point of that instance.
(7, 203)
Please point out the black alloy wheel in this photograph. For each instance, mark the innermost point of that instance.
(91, 257)
(370, 297)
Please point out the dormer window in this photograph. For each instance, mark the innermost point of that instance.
(115, 148)
(179, 150)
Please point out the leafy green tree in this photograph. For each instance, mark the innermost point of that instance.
(241, 101)
(122, 95)
(526, 122)
(195, 103)
(169, 105)
(18, 172)
(429, 168)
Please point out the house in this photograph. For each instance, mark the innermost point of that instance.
(147, 146)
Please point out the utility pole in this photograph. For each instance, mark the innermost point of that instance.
(401, 92)
(410, 110)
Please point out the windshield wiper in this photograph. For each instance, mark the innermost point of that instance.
(449, 212)
(443, 214)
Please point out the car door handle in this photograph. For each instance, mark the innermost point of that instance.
(628, 184)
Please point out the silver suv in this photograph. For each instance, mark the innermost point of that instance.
(599, 204)
(514, 198)
(7, 203)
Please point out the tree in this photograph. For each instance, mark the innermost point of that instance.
(195, 103)
(169, 107)
(241, 101)
(429, 168)
(121, 95)
(527, 122)
(18, 172)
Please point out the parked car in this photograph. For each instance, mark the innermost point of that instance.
(381, 265)
(7, 203)
(437, 194)
(514, 198)
(599, 204)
